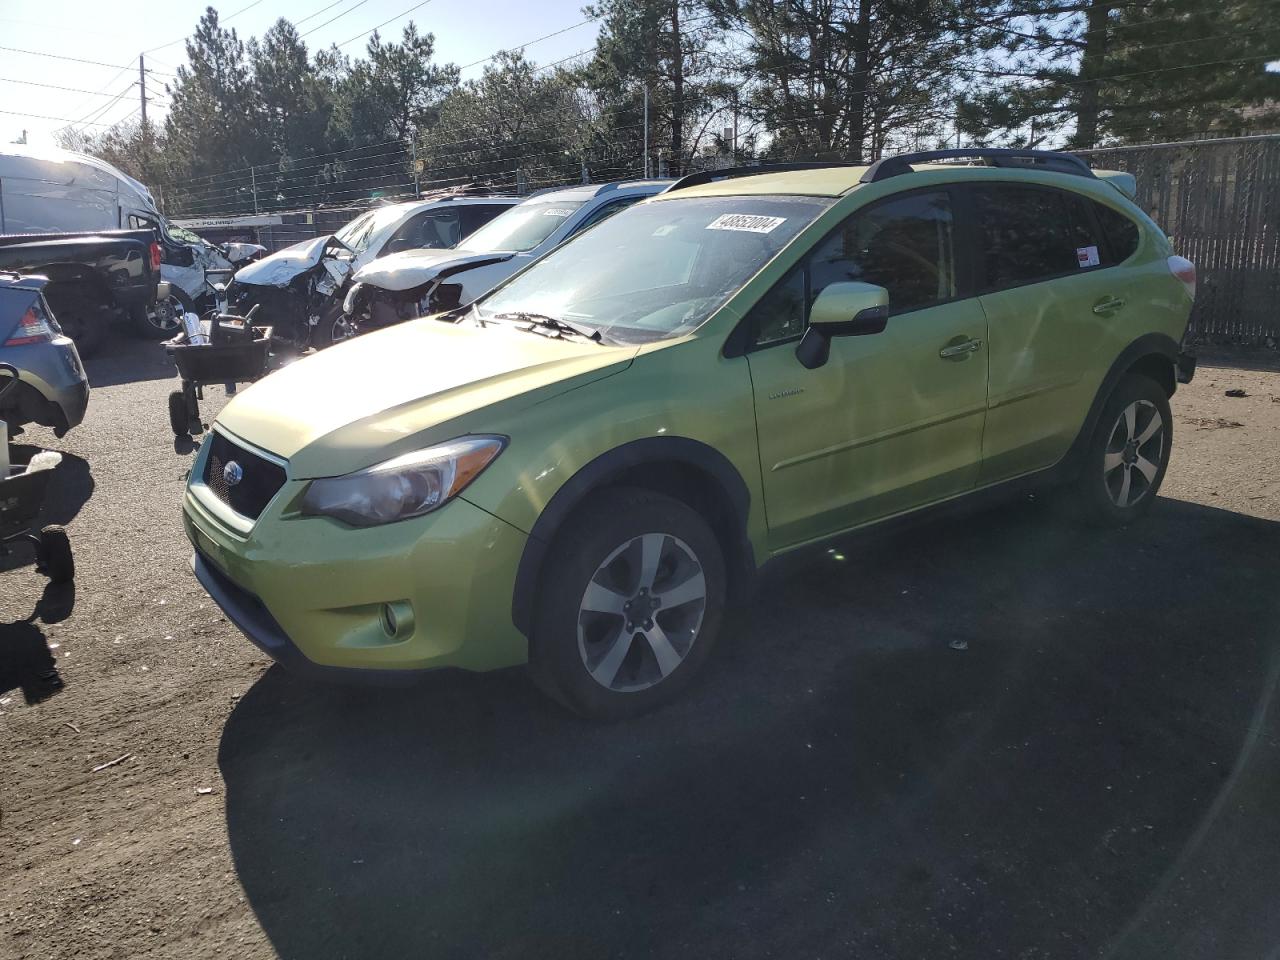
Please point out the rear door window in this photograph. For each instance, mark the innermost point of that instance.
(1028, 234)
(1120, 231)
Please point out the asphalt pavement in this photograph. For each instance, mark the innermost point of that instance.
(997, 736)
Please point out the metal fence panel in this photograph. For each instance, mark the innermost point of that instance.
(1219, 202)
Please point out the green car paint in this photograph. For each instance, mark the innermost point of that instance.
(953, 397)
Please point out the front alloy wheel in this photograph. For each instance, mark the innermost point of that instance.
(630, 600)
(641, 612)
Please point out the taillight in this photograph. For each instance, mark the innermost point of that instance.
(155, 256)
(1184, 270)
(32, 328)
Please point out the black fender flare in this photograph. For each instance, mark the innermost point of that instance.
(604, 470)
(1148, 345)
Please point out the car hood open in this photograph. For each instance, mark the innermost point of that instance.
(412, 268)
(373, 397)
(281, 267)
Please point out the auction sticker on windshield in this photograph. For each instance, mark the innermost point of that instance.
(556, 212)
(747, 222)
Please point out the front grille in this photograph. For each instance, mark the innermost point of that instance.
(259, 481)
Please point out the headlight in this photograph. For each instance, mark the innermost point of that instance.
(407, 486)
(349, 303)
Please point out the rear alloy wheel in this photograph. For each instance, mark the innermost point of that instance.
(1129, 453)
(163, 320)
(631, 603)
(1135, 451)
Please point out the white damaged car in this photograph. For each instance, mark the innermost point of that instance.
(299, 289)
(404, 286)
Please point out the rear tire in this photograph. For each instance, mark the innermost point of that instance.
(630, 606)
(1128, 454)
(53, 557)
(163, 320)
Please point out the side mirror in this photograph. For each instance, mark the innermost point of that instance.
(845, 309)
(398, 245)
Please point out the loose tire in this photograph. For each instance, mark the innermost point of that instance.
(53, 557)
(631, 602)
(1127, 455)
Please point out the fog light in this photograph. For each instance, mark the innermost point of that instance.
(397, 619)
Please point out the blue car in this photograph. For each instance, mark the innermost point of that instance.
(53, 390)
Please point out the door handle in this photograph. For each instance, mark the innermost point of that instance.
(962, 349)
(1108, 304)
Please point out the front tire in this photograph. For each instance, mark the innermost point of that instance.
(335, 327)
(630, 606)
(1128, 455)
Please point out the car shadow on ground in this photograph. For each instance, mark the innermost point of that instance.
(70, 489)
(996, 736)
(128, 359)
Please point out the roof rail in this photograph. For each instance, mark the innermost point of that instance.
(729, 173)
(1050, 160)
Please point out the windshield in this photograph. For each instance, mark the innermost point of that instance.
(181, 234)
(357, 234)
(523, 227)
(657, 269)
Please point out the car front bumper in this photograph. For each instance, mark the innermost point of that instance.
(316, 595)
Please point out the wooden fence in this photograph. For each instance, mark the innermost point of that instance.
(1219, 201)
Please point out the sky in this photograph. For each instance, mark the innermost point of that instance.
(114, 34)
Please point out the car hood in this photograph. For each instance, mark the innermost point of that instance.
(281, 267)
(374, 397)
(412, 268)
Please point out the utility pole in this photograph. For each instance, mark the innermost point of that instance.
(253, 178)
(413, 150)
(646, 131)
(142, 86)
(735, 126)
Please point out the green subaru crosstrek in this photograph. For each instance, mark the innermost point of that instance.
(582, 469)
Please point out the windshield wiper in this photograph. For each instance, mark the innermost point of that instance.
(551, 323)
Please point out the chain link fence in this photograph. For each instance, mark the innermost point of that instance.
(1219, 201)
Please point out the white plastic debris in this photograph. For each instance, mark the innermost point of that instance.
(44, 460)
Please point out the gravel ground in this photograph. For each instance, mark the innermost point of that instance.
(997, 736)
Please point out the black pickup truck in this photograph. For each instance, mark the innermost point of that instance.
(95, 279)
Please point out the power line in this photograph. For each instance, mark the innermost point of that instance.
(310, 16)
(384, 23)
(221, 20)
(476, 63)
(42, 116)
(338, 16)
(58, 56)
(54, 86)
